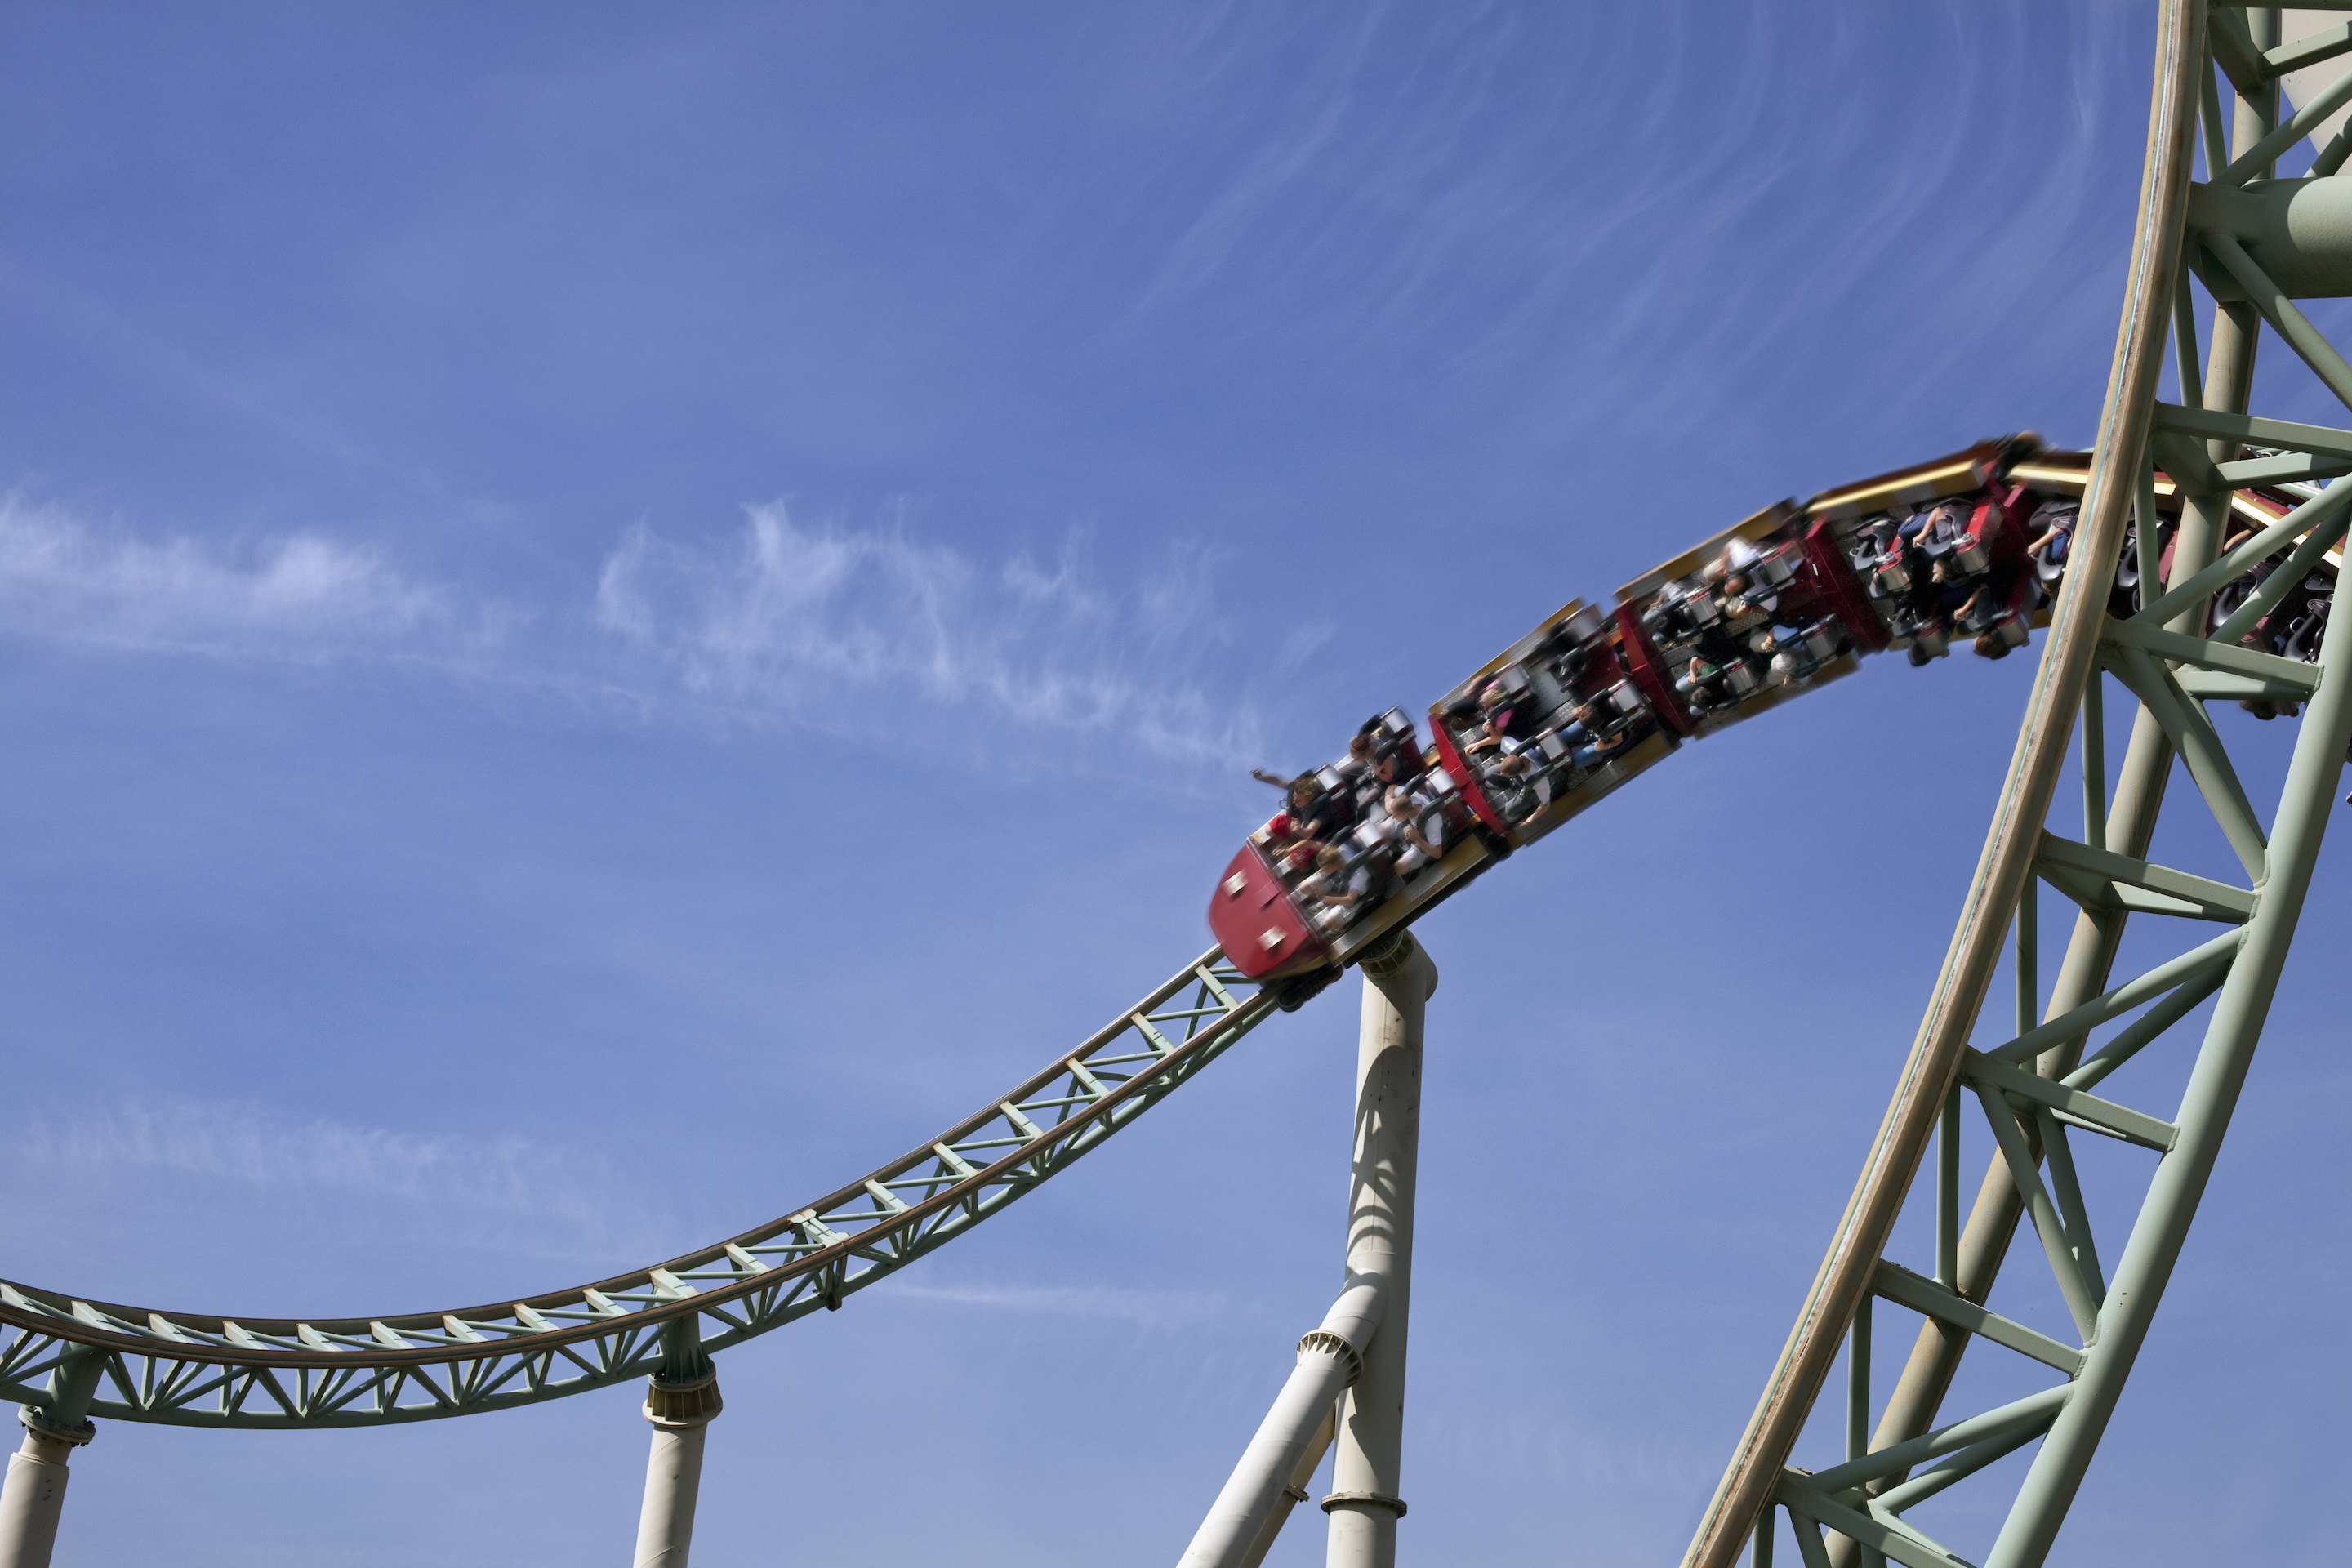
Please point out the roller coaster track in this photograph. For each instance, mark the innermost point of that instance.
(193, 1370)
(2240, 234)
(2236, 235)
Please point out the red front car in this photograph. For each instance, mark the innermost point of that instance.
(1254, 920)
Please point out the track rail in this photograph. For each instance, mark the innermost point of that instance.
(197, 1370)
(2033, 1081)
(1912, 1118)
(205, 1370)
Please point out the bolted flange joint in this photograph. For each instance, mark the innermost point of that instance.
(676, 1406)
(40, 1423)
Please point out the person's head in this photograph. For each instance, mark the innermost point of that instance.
(1398, 800)
(1990, 645)
(1735, 584)
(1514, 766)
(1360, 744)
(1492, 697)
(1304, 791)
(1328, 858)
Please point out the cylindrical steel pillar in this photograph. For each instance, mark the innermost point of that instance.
(1365, 1504)
(680, 1400)
(34, 1492)
(32, 1496)
(1240, 1524)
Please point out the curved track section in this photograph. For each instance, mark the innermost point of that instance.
(2200, 497)
(2039, 1077)
(194, 1369)
(200, 1369)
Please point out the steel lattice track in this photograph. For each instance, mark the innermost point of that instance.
(2035, 1085)
(193, 1370)
(2033, 1080)
(200, 1369)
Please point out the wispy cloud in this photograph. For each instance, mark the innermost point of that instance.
(67, 579)
(1144, 1309)
(774, 619)
(814, 621)
(1669, 206)
(503, 1190)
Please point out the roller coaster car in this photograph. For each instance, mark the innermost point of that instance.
(1992, 549)
(1856, 524)
(1261, 911)
(1262, 931)
(2292, 628)
(1840, 589)
(1772, 605)
(1963, 473)
(1580, 726)
(1742, 622)
(2055, 475)
(1974, 505)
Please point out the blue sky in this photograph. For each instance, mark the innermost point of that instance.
(606, 619)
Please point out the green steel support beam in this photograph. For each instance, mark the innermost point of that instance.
(2069, 660)
(2028, 1087)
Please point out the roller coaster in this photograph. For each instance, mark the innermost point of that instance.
(2203, 543)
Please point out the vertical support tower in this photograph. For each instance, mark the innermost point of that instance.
(1365, 1502)
(680, 1400)
(32, 1496)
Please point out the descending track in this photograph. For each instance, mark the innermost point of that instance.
(2254, 243)
(193, 1369)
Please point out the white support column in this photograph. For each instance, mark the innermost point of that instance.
(1310, 1459)
(1240, 1524)
(1364, 1504)
(32, 1496)
(680, 1400)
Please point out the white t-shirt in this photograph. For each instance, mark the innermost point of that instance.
(1421, 813)
(1324, 884)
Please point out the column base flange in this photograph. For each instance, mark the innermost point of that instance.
(674, 1407)
(36, 1420)
(1365, 1499)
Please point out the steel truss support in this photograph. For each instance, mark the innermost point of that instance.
(2036, 1089)
(290, 1374)
(1349, 1382)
